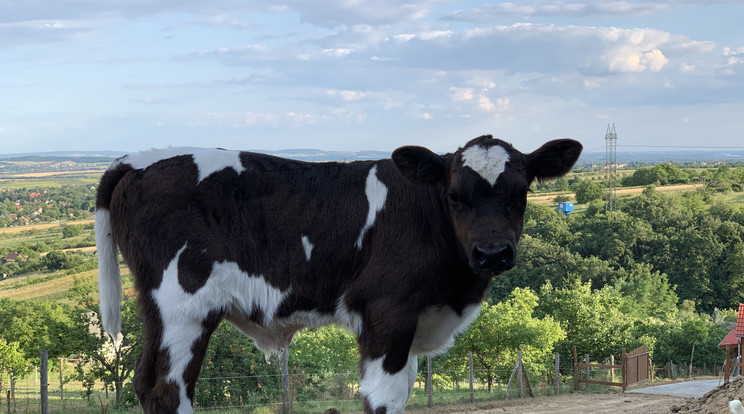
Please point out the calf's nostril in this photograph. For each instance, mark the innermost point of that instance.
(501, 255)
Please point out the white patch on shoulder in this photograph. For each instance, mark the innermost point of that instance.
(376, 196)
(182, 313)
(438, 326)
(308, 247)
(488, 162)
(208, 160)
(382, 389)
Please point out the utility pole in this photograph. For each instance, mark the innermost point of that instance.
(611, 167)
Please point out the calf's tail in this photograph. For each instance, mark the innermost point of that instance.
(109, 277)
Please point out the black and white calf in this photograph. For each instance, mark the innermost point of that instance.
(400, 251)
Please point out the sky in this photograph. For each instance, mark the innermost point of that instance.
(350, 75)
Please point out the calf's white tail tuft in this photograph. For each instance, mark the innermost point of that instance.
(109, 278)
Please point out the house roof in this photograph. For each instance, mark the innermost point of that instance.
(11, 256)
(740, 321)
(730, 340)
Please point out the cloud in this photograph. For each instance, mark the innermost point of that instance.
(510, 11)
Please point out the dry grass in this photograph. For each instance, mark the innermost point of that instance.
(55, 288)
(19, 229)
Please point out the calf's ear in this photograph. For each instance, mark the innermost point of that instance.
(419, 165)
(554, 159)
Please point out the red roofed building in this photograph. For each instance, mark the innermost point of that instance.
(734, 338)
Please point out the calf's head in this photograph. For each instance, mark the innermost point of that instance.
(484, 185)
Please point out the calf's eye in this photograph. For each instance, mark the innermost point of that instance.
(454, 200)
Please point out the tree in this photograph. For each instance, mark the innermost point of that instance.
(592, 319)
(588, 191)
(102, 359)
(328, 356)
(13, 362)
(502, 329)
(235, 371)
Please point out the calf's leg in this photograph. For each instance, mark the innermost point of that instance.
(387, 369)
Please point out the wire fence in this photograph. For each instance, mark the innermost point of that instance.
(314, 392)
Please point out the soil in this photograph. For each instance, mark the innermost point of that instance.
(714, 402)
(579, 403)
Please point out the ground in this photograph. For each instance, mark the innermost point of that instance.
(581, 403)
(710, 399)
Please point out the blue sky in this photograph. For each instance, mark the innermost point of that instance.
(368, 75)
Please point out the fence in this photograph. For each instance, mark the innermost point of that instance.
(313, 392)
(635, 367)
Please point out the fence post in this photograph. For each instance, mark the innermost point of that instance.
(8, 401)
(428, 382)
(287, 398)
(588, 370)
(727, 365)
(612, 370)
(520, 373)
(61, 383)
(557, 373)
(470, 365)
(692, 355)
(44, 382)
(576, 369)
(625, 370)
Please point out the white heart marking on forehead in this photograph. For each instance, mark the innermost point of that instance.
(488, 162)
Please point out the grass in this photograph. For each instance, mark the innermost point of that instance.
(54, 286)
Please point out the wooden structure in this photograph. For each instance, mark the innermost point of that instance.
(635, 368)
(734, 341)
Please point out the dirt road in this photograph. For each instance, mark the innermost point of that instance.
(583, 403)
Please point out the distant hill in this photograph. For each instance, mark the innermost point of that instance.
(320, 155)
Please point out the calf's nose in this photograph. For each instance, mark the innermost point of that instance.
(493, 255)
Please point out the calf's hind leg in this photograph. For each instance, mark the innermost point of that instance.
(186, 320)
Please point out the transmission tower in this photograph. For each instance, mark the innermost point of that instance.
(611, 167)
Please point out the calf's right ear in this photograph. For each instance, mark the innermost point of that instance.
(419, 165)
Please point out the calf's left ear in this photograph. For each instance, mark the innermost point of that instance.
(554, 159)
(419, 165)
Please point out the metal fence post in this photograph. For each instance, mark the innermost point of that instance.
(557, 373)
(470, 365)
(588, 370)
(44, 383)
(287, 398)
(429, 385)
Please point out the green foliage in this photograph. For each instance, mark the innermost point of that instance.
(502, 329)
(661, 174)
(12, 360)
(233, 370)
(99, 359)
(327, 357)
(588, 191)
(593, 320)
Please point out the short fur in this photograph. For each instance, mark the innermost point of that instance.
(400, 251)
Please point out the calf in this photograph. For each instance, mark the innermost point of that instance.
(400, 251)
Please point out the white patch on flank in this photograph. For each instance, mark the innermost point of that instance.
(308, 247)
(182, 313)
(438, 326)
(376, 195)
(382, 389)
(206, 159)
(109, 278)
(488, 162)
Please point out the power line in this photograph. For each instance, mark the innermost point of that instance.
(679, 146)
